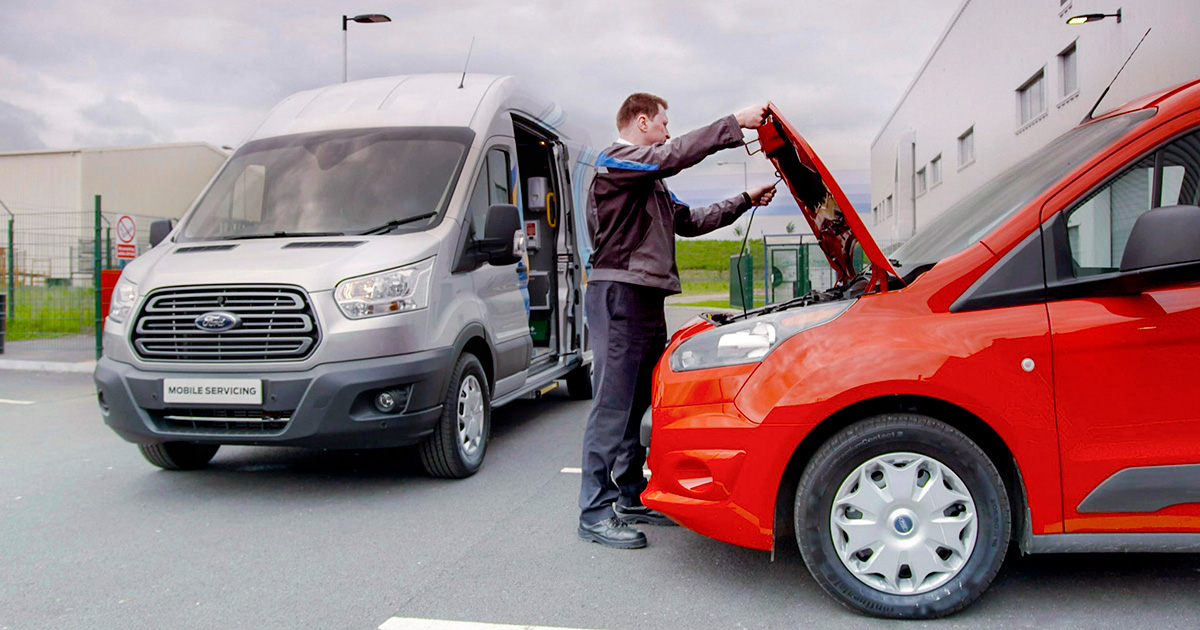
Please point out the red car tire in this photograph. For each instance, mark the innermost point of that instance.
(923, 521)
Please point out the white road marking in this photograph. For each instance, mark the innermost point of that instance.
(6, 401)
(404, 623)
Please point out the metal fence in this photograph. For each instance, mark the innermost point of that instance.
(50, 262)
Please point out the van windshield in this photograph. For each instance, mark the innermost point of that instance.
(980, 212)
(332, 183)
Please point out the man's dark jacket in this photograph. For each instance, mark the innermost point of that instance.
(633, 218)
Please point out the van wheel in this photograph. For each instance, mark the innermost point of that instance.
(179, 455)
(456, 448)
(902, 516)
(579, 382)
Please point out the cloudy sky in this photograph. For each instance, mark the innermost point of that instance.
(110, 72)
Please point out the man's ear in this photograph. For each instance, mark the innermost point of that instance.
(643, 123)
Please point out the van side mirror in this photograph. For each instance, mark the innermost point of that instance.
(1163, 248)
(503, 241)
(159, 230)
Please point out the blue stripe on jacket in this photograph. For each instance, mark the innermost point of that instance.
(604, 160)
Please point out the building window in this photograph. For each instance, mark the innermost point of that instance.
(887, 207)
(922, 183)
(1031, 98)
(966, 147)
(935, 170)
(1066, 70)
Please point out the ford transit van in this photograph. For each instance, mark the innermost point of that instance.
(380, 263)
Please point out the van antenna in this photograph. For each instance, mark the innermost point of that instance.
(1114, 80)
(464, 76)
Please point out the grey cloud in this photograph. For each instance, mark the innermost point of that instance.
(19, 129)
(840, 66)
(117, 121)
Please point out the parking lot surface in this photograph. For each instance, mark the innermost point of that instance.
(92, 536)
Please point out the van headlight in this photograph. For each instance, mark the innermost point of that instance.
(752, 340)
(394, 291)
(124, 297)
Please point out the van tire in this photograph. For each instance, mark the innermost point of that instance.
(879, 450)
(456, 448)
(579, 382)
(179, 455)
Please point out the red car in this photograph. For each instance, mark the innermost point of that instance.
(1023, 370)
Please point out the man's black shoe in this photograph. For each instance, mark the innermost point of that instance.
(634, 514)
(613, 532)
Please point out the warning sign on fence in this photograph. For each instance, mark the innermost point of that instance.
(126, 238)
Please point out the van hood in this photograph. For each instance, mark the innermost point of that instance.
(833, 220)
(314, 264)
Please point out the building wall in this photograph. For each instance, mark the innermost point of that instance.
(990, 49)
(39, 182)
(52, 197)
(157, 182)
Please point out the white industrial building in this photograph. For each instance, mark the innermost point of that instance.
(50, 197)
(1004, 79)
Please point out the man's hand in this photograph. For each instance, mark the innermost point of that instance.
(761, 195)
(752, 117)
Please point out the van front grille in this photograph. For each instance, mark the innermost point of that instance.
(200, 421)
(270, 323)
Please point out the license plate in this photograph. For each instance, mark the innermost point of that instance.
(214, 391)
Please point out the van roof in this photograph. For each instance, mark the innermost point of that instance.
(417, 100)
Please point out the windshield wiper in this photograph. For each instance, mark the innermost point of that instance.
(243, 237)
(395, 223)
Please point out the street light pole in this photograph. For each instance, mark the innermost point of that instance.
(367, 18)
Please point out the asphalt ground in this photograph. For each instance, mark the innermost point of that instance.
(92, 536)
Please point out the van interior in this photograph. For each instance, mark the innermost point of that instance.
(540, 185)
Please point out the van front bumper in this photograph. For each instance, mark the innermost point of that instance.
(328, 406)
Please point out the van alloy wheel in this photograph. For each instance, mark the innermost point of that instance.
(470, 415)
(458, 444)
(902, 516)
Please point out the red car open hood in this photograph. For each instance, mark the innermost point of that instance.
(829, 213)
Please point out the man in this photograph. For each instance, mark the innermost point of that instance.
(633, 219)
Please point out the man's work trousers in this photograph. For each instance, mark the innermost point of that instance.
(628, 335)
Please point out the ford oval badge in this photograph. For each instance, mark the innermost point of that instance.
(217, 321)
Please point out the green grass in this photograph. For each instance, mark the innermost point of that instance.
(43, 312)
(712, 255)
(707, 304)
(704, 265)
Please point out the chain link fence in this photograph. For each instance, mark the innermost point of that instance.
(50, 264)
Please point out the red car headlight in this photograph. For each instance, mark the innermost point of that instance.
(750, 341)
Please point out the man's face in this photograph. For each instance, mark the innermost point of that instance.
(656, 128)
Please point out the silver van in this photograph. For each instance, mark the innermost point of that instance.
(380, 263)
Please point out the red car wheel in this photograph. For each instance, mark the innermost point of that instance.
(902, 516)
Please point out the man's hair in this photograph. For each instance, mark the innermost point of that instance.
(637, 104)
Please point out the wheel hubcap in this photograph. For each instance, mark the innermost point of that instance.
(903, 523)
(470, 415)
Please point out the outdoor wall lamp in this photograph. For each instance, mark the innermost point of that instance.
(367, 18)
(1093, 17)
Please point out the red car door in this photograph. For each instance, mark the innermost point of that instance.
(1127, 367)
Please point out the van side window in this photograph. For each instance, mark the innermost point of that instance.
(491, 187)
(1098, 228)
(498, 174)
